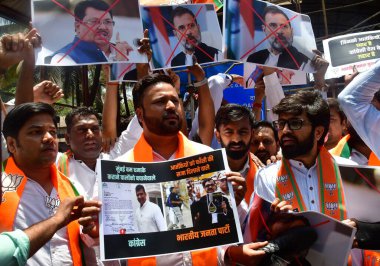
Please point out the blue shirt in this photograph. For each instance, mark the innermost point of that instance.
(14, 248)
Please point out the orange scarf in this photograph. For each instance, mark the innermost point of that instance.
(330, 185)
(343, 150)
(8, 209)
(249, 179)
(63, 162)
(143, 152)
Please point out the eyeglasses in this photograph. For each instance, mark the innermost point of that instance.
(293, 124)
(97, 22)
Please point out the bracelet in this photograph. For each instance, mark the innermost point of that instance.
(257, 105)
(200, 83)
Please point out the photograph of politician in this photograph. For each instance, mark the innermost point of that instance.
(183, 33)
(90, 32)
(267, 34)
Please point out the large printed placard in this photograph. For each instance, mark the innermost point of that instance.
(266, 34)
(88, 32)
(179, 33)
(358, 49)
(185, 201)
(362, 191)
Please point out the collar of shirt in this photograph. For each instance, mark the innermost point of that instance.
(158, 158)
(245, 168)
(272, 59)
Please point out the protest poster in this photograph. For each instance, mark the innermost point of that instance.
(87, 32)
(163, 2)
(123, 72)
(362, 191)
(286, 77)
(177, 33)
(266, 34)
(344, 52)
(192, 206)
(314, 238)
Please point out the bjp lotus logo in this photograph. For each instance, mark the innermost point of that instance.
(10, 183)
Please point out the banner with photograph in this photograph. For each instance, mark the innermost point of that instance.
(185, 201)
(362, 191)
(266, 34)
(87, 32)
(179, 33)
(287, 77)
(344, 52)
(304, 238)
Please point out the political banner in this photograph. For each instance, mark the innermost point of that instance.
(87, 32)
(344, 52)
(265, 34)
(181, 34)
(188, 202)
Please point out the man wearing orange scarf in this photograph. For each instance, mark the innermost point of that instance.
(307, 177)
(34, 188)
(159, 111)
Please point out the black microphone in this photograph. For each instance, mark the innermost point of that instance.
(292, 241)
(136, 42)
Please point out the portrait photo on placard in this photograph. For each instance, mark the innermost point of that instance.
(88, 32)
(183, 33)
(123, 72)
(267, 34)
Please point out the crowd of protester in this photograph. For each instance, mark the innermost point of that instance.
(49, 208)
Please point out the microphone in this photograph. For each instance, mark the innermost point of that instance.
(136, 42)
(292, 242)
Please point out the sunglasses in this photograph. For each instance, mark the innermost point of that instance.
(293, 124)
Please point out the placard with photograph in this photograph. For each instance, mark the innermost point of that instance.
(185, 201)
(266, 34)
(123, 72)
(182, 33)
(87, 32)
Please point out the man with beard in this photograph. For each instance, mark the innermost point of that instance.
(234, 125)
(94, 29)
(265, 142)
(158, 110)
(281, 52)
(307, 177)
(188, 32)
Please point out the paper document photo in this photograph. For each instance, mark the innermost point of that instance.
(186, 201)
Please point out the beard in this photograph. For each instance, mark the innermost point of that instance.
(191, 42)
(298, 148)
(164, 126)
(280, 46)
(236, 155)
(264, 156)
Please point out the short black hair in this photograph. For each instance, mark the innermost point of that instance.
(81, 112)
(204, 181)
(275, 10)
(334, 104)
(18, 116)
(266, 124)
(377, 95)
(80, 8)
(180, 11)
(310, 101)
(140, 187)
(147, 81)
(231, 113)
